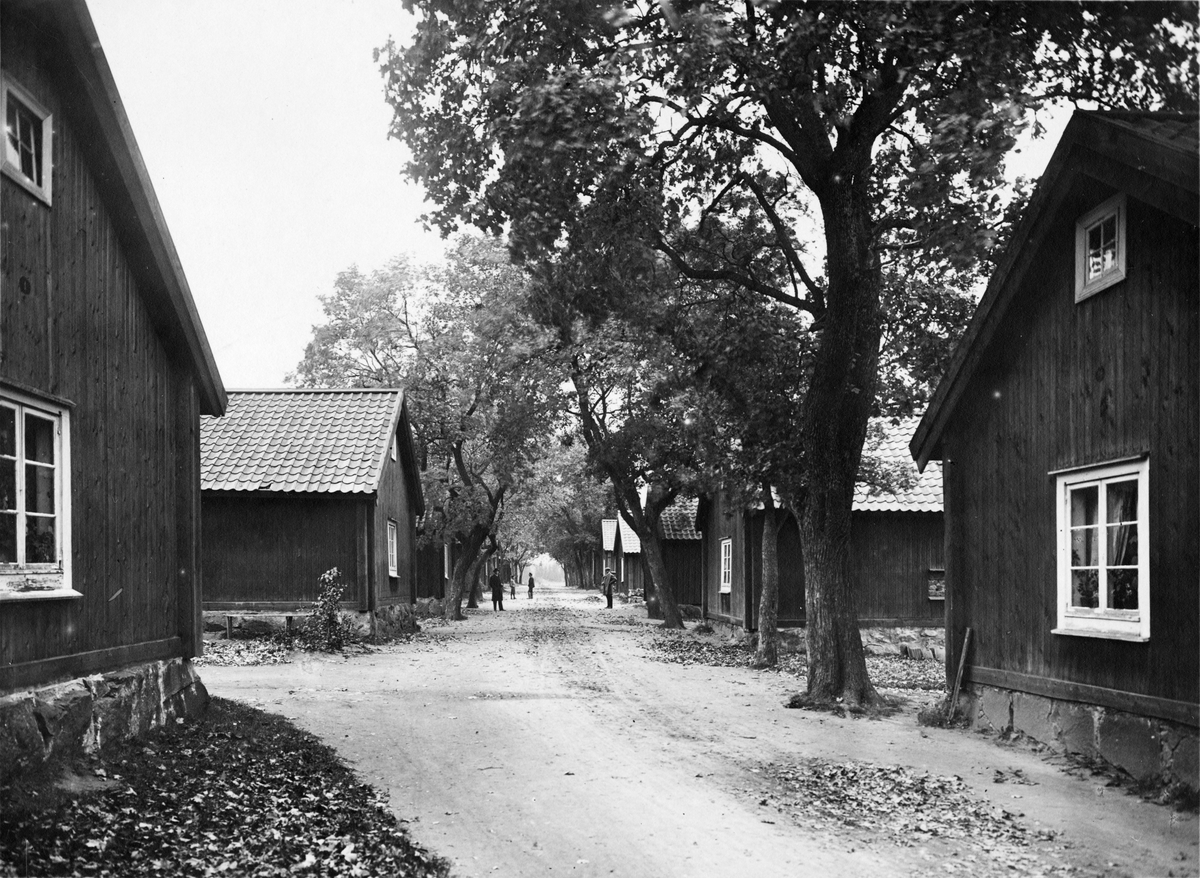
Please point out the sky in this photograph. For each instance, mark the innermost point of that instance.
(264, 130)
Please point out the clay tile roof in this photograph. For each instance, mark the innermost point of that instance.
(329, 441)
(1179, 130)
(925, 492)
(679, 520)
(630, 544)
(608, 533)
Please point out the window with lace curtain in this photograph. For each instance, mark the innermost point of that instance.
(1103, 536)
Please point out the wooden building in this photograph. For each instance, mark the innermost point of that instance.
(896, 546)
(623, 554)
(682, 555)
(296, 482)
(1068, 425)
(104, 373)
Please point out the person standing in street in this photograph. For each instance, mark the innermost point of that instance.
(610, 582)
(497, 590)
(512, 587)
(530, 584)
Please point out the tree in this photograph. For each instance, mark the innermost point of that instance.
(713, 130)
(456, 339)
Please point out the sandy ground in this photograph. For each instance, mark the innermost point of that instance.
(542, 740)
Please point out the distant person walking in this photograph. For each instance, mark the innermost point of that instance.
(530, 584)
(610, 582)
(497, 590)
(512, 587)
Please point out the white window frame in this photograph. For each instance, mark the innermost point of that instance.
(1104, 622)
(52, 580)
(393, 534)
(726, 566)
(10, 164)
(393, 447)
(1113, 207)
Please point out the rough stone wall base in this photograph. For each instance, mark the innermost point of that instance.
(81, 715)
(1148, 749)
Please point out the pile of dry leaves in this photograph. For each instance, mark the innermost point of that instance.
(887, 672)
(240, 792)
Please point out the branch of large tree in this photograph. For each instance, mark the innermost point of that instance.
(785, 241)
(739, 278)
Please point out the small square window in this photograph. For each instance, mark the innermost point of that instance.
(394, 452)
(1103, 533)
(35, 499)
(1100, 248)
(28, 134)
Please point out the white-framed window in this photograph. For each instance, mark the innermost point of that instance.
(28, 136)
(394, 451)
(726, 566)
(393, 538)
(35, 499)
(1100, 248)
(447, 567)
(1103, 540)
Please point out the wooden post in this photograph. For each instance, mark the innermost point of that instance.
(962, 661)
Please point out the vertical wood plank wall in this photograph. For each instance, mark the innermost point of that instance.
(395, 502)
(272, 549)
(1068, 385)
(84, 333)
(891, 554)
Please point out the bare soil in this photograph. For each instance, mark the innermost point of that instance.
(550, 739)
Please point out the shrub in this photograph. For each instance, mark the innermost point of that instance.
(328, 628)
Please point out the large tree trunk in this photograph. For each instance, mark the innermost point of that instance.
(767, 653)
(652, 549)
(464, 570)
(833, 428)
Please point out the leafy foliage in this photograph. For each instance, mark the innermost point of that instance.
(327, 628)
(241, 792)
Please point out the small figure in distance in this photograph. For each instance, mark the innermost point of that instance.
(610, 582)
(512, 587)
(497, 590)
(530, 584)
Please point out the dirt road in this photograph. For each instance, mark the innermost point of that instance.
(546, 740)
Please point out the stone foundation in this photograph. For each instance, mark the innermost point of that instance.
(81, 715)
(1148, 749)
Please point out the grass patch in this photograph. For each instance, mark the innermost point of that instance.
(240, 792)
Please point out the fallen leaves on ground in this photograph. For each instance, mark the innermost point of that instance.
(244, 652)
(240, 792)
(887, 672)
(907, 807)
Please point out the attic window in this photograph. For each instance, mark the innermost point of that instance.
(28, 133)
(394, 450)
(1100, 248)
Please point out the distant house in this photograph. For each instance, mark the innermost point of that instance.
(296, 482)
(896, 547)
(623, 554)
(1069, 426)
(104, 373)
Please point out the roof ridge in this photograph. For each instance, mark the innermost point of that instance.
(315, 390)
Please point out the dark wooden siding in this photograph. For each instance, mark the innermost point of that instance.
(1066, 385)
(395, 503)
(791, 568)
(891, 554)
(683, 560)
(430, 572)
(84, 332)
(720, 522)
(268, 551)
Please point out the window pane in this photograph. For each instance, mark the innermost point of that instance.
(1085, 591)
(1085, 549)
(1122, 589)
(39, 540)
(8, 431)
(8, 538)
(1123, 545)
(1084, 502)
(8, 485)
(39, 489)
(1121, 501)
(39, 439)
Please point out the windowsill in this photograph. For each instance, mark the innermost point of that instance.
(58, 594)
(1103, 635)
(25, 183)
